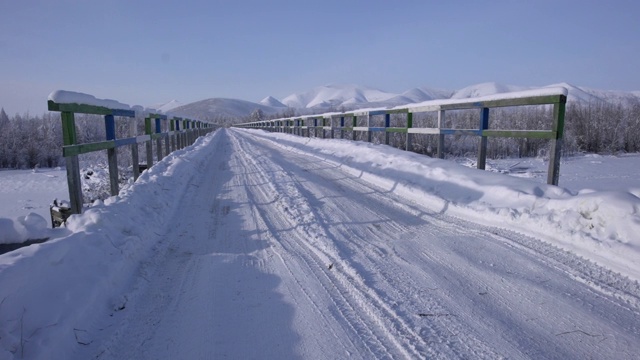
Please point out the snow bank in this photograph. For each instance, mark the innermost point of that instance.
(602, 226)
(51, 291)
(23, 228)
(71, 97)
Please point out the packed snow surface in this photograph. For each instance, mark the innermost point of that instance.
(259, 245)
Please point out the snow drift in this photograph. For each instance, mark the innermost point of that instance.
(49, 290)
(600, 226)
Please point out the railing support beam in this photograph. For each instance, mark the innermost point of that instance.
(73, 165)
(553, 176)
(482, 147)
(112, 155)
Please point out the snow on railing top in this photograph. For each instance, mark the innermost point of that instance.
(550, 91)
(72, 97)
(77, 98)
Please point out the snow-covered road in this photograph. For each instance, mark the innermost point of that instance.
(278, 255)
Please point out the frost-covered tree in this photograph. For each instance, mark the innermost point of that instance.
(257, 115)
(4, 119)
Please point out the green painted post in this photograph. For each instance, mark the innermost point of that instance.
(333, 133)
(369, 132)
(187, 129)
(341, 127)
(178, 134)
(553, 176)
(189, 132)
(353, 130)
(183, 142)
(73, 166)
(482, 147)
(112, 155)
(183, 134)
(172, 125)
(407, 145)
(187, 138)
(192, 130)
(148, 143)
(167, 141)
(315, 127)
(135, 160)
(440, 134)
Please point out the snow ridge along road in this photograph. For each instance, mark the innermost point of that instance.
(277, 255)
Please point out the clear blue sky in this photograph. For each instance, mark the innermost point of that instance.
(146, 52)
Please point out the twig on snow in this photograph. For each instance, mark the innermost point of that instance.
(578, 331)
(434, 314)
(75, 332)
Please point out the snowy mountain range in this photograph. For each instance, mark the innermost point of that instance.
(216, 108)
(350, 96)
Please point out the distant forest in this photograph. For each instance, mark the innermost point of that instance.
(28, 141)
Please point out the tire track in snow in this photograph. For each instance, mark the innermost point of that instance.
(398, 324)
(499, 240)
(395, 327)
(314, 263)
(251, 179)
(358, 297)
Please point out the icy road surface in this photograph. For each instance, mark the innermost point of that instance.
(278, 255)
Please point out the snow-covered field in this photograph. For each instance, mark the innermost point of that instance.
(314, 248)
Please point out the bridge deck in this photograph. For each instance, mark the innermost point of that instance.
(287, 257)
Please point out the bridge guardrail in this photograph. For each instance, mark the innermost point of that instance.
(335, 121)
(175, 139)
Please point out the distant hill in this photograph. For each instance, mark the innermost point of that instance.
(210, 109)
(349, 96)
(334, 96)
